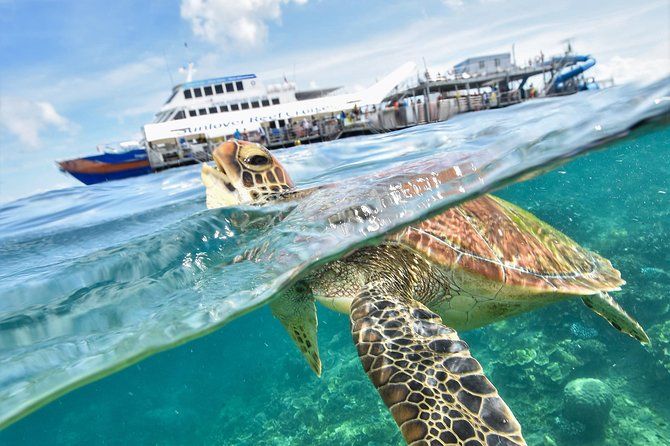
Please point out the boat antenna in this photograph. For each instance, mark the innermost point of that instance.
(426, 74)
(568, 45)
(189, 72)
(189, 67)
(167, 68)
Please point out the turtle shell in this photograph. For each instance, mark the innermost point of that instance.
(500, 243)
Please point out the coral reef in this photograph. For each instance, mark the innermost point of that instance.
(660, 336)
(588, 401)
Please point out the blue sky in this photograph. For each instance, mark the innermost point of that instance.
(79, 73)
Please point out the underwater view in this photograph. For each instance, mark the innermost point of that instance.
(132, 314)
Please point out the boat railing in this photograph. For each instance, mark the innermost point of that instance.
(300, 131)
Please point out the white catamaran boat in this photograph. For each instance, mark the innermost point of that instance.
(198, 115)
(204, 112)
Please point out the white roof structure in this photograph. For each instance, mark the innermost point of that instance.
(223, 124)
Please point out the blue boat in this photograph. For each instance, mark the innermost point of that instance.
(108, 166)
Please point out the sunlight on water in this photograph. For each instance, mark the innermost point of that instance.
(95, 278)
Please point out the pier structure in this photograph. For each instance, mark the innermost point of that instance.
(494, 85)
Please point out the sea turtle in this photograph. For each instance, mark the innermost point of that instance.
(476, 263)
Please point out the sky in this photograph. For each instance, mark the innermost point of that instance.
(76, 74)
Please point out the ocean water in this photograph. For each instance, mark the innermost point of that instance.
(94, 279)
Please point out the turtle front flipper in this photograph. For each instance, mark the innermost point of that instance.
(436, 392)
(296, 311)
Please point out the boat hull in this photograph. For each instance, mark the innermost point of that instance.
(108, 166)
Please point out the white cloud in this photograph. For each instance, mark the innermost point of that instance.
(625, 69)
(241, 23)
(27, 119)
(455, 4)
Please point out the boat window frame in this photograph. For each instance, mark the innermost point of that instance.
(197, 92)
(223, 108)
(202, 111)
(230, 87)
(218, 88)
(265, 102)
(244, 105)
(234, 107)
(255, 104)
(215, 108)
(239, 86)
(188, 94)
(179, 115)
(192, 113)
(275, 101)
(207, 89)
(174, 93)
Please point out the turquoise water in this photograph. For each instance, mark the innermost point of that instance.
(96, 277)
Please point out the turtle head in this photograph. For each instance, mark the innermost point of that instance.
(243, 173)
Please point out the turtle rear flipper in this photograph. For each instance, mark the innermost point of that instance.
(604, 305)
(436, 392)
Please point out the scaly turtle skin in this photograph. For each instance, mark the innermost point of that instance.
(474, 264)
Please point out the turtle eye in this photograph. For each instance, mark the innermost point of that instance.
(257, 160)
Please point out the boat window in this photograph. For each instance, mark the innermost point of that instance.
(218, 88)
(275, 101)
(208, 91)
(180, 115)
(229, 87)
(197, 92)
(234, 107)
(192, 113)
(245, 105)
(223, 108)
(187, 94)
(255, 104)
(239, 86)
(202, 111)
(213, 110)
(265, 102)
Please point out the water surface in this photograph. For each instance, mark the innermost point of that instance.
(95, 278)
